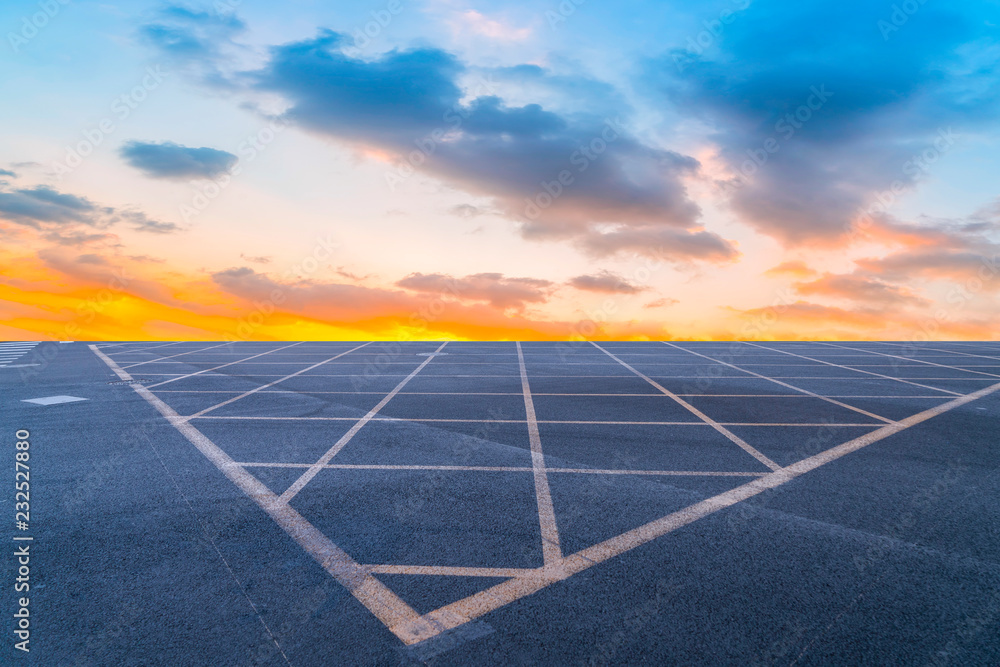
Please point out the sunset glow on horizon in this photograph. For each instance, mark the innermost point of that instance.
(453, 169)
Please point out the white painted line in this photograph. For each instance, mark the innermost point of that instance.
(18, 365)
(54, 400)
(432, 420)
(857, 370)
(484, 602)
(447, 571)
(215, 368)
(698, 413)
(344, 439)
(444, 468)
(551, 550)
(256, 389)
(179, 354)
(785, 384)
(920, 361)
(401, 619)
(956, 352)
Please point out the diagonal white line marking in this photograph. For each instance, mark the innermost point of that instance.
(344, 439)
(698, 413)
(140, 350)
(919, 361)
(269, 384)
(578, 471)
(179, 354)
(455, 571)
(856, 370)
(401, 619)
(785, 384)
(484, 602)
(551, 550)
(215, 368)
(949, 352)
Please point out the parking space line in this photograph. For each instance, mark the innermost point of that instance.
(699, 424)
(179, 354)
(790, 386)
(457, 571)
(344, 439)
(551, 549)
(954, 353)
(215, 368)
(920, 361)
(857, 370)
(140, 350)
(401, 619)
(269, 384)
(484, 602)
(698, 413)
(446, 468)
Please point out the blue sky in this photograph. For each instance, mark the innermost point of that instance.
(525, 163)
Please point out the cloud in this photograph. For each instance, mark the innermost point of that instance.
(41, 205)
(561, 176)
(794, 269)
(7, 172)
(814, 124)
(67, 219)
(471, 21)
(661, 303)
(258, 259)
(173, 161)
(662, 243)
(860, 288)
(605, 282)
(493, 288)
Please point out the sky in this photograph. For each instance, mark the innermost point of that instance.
(465, 170)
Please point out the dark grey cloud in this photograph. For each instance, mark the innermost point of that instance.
(7, 172)
(561, 175)
(605, 282)
(70, 218)
(173, 161)
(37, 206)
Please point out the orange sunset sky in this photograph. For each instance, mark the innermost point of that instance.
(484, 170)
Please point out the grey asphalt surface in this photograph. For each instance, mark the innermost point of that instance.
(144, 552)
